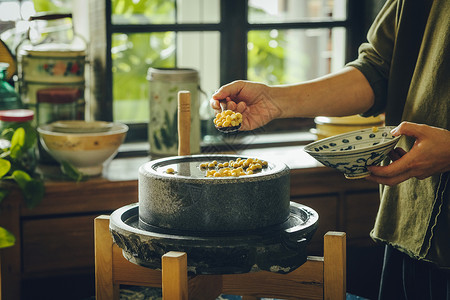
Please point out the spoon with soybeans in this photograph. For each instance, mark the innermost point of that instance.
(227, 121)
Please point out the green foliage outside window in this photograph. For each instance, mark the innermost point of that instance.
(268, 55)
(266, 63)
(132, 56)
(143, 11)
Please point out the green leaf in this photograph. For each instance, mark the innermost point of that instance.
(7, 239)
(32, 190)
(5, 166)
(17, 142)
(8, 133)
(70, 171)
(21, 178)
(31, 136)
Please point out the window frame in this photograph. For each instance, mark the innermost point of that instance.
(233, 28)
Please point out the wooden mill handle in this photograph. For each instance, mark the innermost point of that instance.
(184, 122)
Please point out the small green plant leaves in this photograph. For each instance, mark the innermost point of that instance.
(8, 133)
(17, 142)
(31, 136)
(71, 171)
(15, 147)
(32, 190)
(7, 239)
(5, 166)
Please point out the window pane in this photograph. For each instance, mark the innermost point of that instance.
(277, 11)
(165, 11)
(289, 56)
(198, 11)
(132, 55)
(143, 11)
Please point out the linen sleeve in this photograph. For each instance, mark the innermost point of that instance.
(374, 59)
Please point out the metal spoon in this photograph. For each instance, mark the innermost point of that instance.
(230, 129)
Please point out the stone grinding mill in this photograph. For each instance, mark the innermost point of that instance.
(225, 225)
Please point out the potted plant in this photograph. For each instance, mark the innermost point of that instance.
(17, 168)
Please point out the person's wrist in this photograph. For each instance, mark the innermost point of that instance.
(281, 98)
(271, 99)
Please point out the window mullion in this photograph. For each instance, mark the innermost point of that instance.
(233, 40)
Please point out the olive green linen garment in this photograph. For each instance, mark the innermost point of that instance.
(407, 63)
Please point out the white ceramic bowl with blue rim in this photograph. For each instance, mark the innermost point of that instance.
(352, 152)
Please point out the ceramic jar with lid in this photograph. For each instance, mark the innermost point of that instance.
(53, 56)
(162, 129)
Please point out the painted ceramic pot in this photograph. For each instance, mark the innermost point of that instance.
(352, 152)
(164, 85)
(84, 148)
(53, 66)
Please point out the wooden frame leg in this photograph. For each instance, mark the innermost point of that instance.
(174, 276)
(177, 286)
(335, 259)
(105, 289)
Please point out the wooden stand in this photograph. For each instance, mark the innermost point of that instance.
(319, 278)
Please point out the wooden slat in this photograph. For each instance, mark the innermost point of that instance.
(94, 195)
(335, 261)
(174, 276)
(105, 288)
(46, 244)
(126, 272)
(205, 287)
(306, 281)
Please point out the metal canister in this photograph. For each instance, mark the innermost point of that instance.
(53, 56)
(162, 126)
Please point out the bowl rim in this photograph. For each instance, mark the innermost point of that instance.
(77, 126)
(117, 128)
(310, 147)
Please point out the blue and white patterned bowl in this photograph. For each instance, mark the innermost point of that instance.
(352, 152)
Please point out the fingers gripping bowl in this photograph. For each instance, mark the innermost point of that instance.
(352, 152)
(86, 149)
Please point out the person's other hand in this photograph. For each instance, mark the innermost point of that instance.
(251, 99)
(429, 155)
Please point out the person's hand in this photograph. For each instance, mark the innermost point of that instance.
(429, 155)
(251, 99)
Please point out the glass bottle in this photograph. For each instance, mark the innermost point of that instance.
(9, 99)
